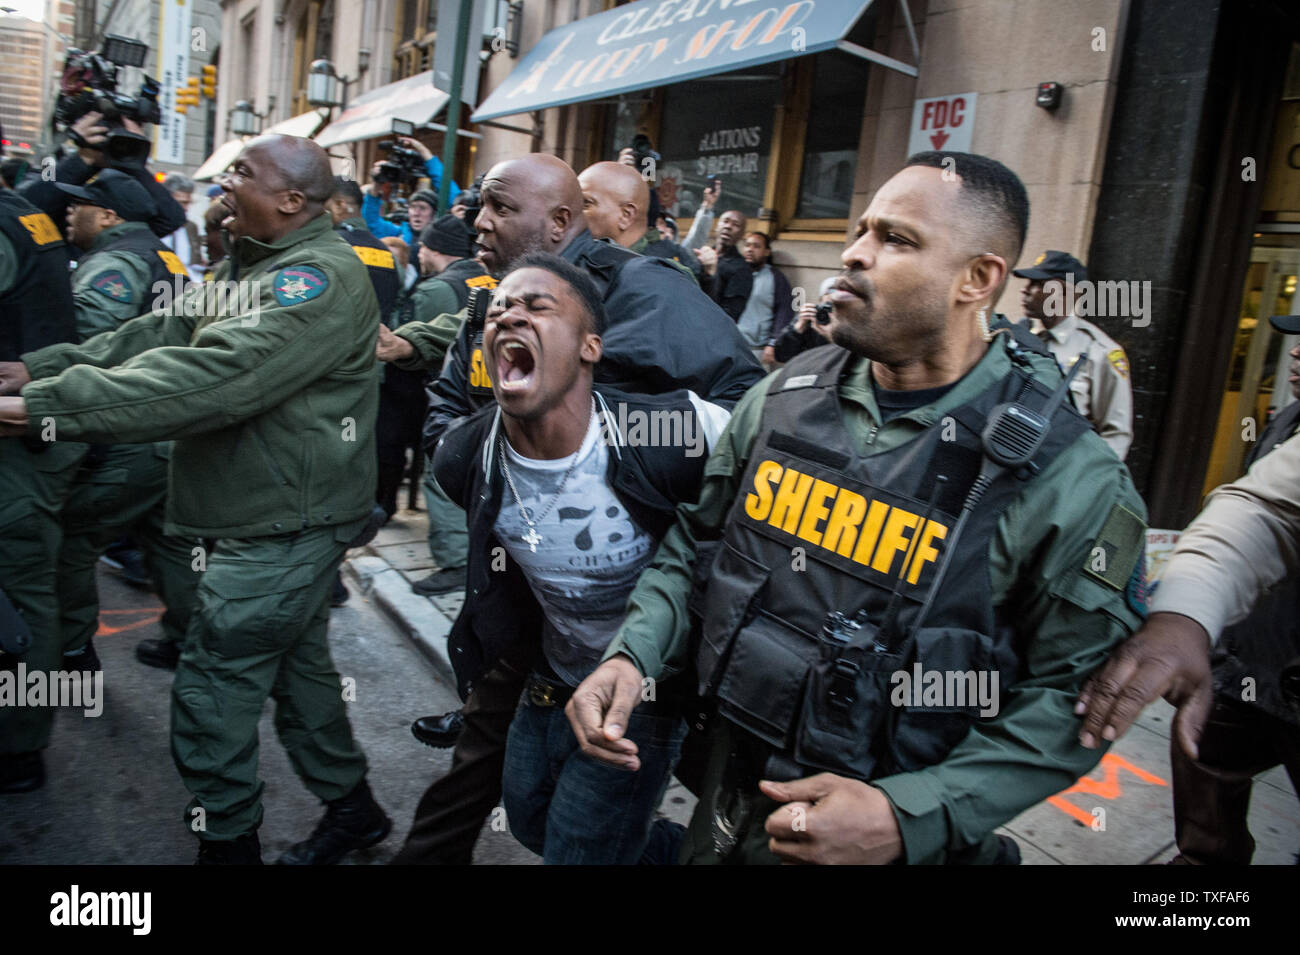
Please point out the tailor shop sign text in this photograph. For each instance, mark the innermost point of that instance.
(755, 29)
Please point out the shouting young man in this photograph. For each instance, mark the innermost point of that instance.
(568, 488)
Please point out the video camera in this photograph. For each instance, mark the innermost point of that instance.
(643, 150)
(472, 200)
(89, 83)
(403, 165)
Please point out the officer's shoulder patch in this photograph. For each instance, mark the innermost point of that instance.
(114, 284)
(298, 283)
(1119, 545)
(1119, 360)
(481, 281)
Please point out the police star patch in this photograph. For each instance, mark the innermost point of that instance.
(113, 284)
(1117, 358)
(298, 284)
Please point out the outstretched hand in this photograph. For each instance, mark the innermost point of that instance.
(1169, 657)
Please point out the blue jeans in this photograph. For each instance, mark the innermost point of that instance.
(574, 810)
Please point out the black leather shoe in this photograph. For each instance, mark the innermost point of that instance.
(21, 772)
(162, 654)
(439, 731)
(352, 822)
(244, 850)
(87, 659)
(440, 582)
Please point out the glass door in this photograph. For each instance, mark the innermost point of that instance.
(1257, 384)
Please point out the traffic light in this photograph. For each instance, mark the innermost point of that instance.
(209, 86)
(187, 95)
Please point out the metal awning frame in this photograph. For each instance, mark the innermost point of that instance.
(871, 56)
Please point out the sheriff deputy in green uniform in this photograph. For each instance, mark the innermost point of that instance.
(270, 403)
(873, 543)
(120, 489)
(35, 475)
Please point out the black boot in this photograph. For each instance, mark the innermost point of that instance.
(353, 822)
(243, 850)
(85, 659)
(162, 654)
(21, 772)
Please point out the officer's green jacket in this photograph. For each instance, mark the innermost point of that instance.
(110, 287)
(1037, 557)
(272, 400)
(431, 338)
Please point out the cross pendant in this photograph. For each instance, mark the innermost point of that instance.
(532, 539)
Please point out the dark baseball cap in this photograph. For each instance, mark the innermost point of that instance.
(1054, 265)
(115, 190)
(1286, 324)
(449, 235)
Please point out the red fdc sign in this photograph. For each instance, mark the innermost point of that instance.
(943, 122)
(939, 113)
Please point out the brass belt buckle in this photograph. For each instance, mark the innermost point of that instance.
(541, 694)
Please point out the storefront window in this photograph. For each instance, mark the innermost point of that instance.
(831, 148)
(718, 126)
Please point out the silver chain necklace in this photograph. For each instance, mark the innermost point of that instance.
(531, 537)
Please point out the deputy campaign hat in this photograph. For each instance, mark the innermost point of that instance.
(1054, 265)
(449, 235)
(115, 190)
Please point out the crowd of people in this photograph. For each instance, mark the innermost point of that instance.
(884, 478)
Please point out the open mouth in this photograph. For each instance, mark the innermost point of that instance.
(515, 366)
(230, 212)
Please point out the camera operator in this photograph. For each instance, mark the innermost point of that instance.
(75, 169)
(642, 157)
(381, 185)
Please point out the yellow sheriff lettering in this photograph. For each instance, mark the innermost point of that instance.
(789, 501)
(174, 265)
(41, 227)
(816, 511)
(890, 540)
(478, 374)
(376, 258)
(759, 504)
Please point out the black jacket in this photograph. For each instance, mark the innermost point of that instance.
(663, 334)
(72, 171)
(731, 284)
(501, 618)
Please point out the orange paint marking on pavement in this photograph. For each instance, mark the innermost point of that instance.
(153, 615)
(1107, 787)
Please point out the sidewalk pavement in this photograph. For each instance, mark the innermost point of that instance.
(1119, 814)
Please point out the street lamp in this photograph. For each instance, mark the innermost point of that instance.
(244, 120)
(323, 82)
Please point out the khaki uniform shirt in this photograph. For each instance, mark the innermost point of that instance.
(1102, 391)
(1245, 540)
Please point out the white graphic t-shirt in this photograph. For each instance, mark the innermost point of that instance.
(589, 557)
